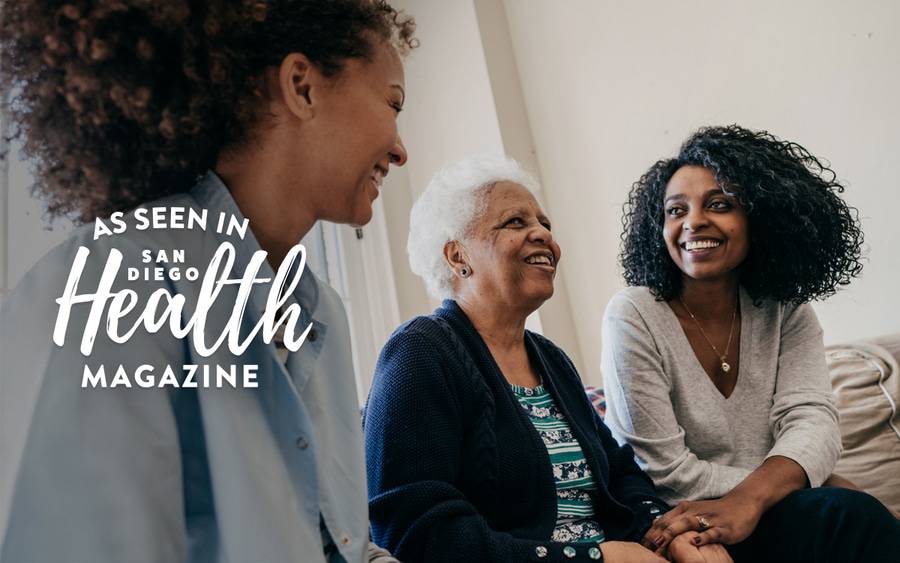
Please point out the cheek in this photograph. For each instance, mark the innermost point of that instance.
(670, 235)
(739, 234)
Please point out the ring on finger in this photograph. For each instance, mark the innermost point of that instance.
(704, 523)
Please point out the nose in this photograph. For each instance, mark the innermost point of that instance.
(544, 236)
(694, 221)
(541, 234)
(398, 153)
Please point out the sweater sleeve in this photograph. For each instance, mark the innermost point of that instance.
(804, 419)
(640, 411)
(414, 436)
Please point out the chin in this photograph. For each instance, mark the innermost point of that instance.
(539, 296)
(361, 217)
(701, 274)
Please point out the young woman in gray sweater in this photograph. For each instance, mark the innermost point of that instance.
(713, 360)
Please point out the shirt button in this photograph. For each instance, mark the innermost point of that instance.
(540, 551)
(569, 551)
(594, 553)
(302, 443)
(312, 335)
(345, 539)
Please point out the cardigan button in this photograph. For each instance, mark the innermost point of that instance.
(569, 551)
(595, 553)
(302, 443)
(540, 551)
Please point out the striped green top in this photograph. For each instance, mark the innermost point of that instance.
(574, 481)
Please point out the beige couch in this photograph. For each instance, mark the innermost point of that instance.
(866, 379)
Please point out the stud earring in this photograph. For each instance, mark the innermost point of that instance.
(464, 272)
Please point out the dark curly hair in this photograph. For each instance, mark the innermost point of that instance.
(123, 101)
(804, 240)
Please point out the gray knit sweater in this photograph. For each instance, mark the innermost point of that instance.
(693, 442)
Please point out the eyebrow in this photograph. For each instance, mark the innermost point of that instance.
(515, 211)
(680, 197)
(402, 93)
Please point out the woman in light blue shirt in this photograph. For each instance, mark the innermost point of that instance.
(287, 111)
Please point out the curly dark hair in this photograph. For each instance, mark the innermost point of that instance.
(804, 240)
(123, 101)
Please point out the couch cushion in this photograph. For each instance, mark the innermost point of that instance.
(866, 379)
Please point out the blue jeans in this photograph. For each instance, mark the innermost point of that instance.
(824, 524)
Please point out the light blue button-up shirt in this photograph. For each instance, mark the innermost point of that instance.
(159, 475)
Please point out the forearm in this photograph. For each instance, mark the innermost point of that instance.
(776, 478)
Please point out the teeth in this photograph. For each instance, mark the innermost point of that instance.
(540, 259)
(701, 244)
(378, 177)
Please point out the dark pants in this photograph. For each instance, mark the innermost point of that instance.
(823, 524)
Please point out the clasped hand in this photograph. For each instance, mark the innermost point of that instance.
(728, 520)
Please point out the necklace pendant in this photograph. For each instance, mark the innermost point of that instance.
(726, 367)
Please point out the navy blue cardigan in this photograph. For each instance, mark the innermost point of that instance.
(456, 470)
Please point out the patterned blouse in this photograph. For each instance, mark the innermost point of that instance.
(574, 481)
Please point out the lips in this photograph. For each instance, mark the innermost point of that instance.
(377, 178)
(543, 259)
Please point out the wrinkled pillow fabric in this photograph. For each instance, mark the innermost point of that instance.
(866, 380)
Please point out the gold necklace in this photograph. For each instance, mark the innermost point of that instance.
(726, 367)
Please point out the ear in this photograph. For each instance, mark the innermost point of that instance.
(299, 83)
(455, 256)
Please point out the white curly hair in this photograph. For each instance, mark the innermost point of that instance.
(452, 202)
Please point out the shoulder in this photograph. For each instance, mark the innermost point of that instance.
(417, 368)
(632, 302)
(635, 310)
(420, 340)
(784, 318)
(427, 328)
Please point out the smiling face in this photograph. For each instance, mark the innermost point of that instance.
(510, 251)
(356, 131)
(705, 230)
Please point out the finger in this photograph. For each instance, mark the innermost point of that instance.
(680, 525)
(663, 521)
(712, 535)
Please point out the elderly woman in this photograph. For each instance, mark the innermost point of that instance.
(481, 443)
(713, 360)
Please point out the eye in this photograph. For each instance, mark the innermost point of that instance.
(546, 225)
(720, 205)
(514, 221)
(675, 211)
(397, 107)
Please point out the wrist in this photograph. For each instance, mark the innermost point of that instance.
(756, 499)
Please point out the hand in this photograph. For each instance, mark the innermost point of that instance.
(379, 555)
(683, 550)
(731, 519)
(628, 552)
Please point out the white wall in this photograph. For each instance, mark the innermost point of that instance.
(612, 86)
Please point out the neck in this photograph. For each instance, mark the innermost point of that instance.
(709, 299)
(502, 328)
(258, 180)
